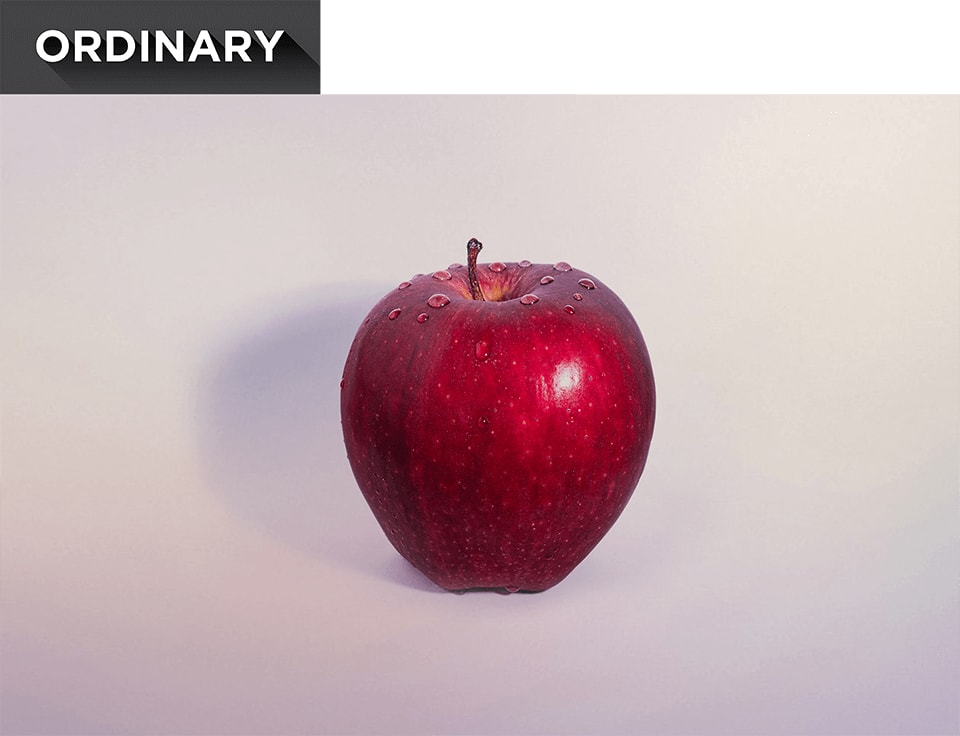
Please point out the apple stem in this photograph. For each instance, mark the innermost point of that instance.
(473, 250)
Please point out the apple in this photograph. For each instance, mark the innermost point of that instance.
(497, 418)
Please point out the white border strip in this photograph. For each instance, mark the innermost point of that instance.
(614, 46)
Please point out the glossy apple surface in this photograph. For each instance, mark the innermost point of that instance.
(498, 440)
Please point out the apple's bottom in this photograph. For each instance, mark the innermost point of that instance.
(502, 589)
(490, 581)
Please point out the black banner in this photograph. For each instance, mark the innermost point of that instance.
(160, 46)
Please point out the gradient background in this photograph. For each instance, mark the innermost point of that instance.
(184, 549)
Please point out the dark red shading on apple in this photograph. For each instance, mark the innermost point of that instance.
(497, 418)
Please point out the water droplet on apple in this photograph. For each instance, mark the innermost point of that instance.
(529, 299)
(454, 266)
(342, 382)
(442, 275)
(562, 266)
(547, 280)
(587, 284)
(483, 350)
(393, 314)
(482, 422)
(568, 309)
(422, 317)
(511, 588)
(438, 300)
(497, 266)
(404, 284)
(578, 297)
(524, 263)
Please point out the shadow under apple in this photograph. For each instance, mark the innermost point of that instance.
(270, 437)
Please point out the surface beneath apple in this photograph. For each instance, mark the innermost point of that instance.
(497, 418)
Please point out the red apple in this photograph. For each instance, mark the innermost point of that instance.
(497, 418)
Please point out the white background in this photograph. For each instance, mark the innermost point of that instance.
(645, 46)
(184, 549)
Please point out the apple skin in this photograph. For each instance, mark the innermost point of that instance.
(497, 441)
